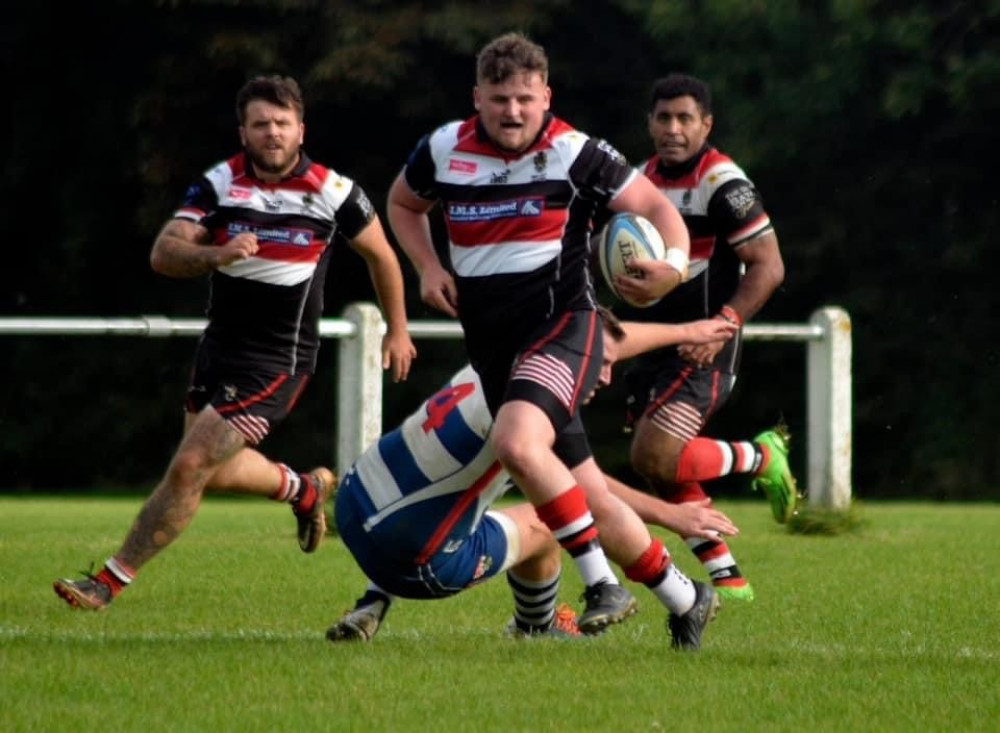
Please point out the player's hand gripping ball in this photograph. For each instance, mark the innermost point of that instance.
(628, 237)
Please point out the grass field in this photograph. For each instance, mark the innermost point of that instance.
(895, 626)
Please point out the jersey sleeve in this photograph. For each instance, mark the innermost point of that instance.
(737, 211)
(200, 201)
(600, 172)
(355, 213)
(419, 170)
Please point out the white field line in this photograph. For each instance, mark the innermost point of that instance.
(831, 651)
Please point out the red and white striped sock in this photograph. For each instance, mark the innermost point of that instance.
(290, 484)
(296, 489)
(655, 570)
(704, 458)
(570, 520)
(714, 555)
(116, 575)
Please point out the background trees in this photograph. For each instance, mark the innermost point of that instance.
(865, 124)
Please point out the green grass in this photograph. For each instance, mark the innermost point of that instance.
(891, 626)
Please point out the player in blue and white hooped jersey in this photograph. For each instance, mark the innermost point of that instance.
(416, 512)
(408, 506)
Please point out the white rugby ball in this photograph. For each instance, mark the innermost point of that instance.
(628, 237)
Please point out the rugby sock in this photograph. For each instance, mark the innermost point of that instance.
(534, 602)
(718, 562)
(116, 575)
(714, 555)
(290, 483)
(304, 501)
(569, 519)
(296, 489)
(655, 570)
(375, 595)
(704, 458)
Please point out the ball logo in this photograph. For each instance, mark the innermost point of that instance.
(627, 239)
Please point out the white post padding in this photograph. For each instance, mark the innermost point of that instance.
(359, 388)
(829, 408)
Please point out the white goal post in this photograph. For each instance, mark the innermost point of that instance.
(359, 389)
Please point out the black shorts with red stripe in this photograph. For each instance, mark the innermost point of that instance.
(252, 401)
(556, 368)
(677, 396)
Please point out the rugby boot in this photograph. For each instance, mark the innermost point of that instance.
(774, 477)
(87, 593)
(685, 630)
(563, 626)
(363, 621)
(605, 604)
(312, 523)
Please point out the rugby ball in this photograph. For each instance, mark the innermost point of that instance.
(628, 237)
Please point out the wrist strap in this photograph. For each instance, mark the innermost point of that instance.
(677, 259)
(727, 313)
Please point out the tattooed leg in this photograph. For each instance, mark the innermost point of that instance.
(208, 443)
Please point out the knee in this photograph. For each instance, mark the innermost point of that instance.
(512, 451)
(188, 469)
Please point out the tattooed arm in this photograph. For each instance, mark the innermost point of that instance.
(183, 249)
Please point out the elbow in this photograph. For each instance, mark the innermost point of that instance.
(778, 274)
(157, 261)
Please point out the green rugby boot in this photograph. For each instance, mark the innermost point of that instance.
(774, 476)
(735, 592)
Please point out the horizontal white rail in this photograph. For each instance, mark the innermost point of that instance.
(359, 410)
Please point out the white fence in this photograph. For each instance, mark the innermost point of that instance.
(359, 409)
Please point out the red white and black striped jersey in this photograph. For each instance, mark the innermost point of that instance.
(264, 311)
(717, 200)
(517, 224)
(723, 211)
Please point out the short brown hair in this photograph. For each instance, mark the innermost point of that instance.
(611, 323)
(508, 55)
(281, 91)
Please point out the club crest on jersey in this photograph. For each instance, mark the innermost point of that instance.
(464, 167)
(541, 163)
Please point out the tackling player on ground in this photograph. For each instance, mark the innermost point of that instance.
(416, 511)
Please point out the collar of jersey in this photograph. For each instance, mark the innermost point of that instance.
(297, 172)
(682, 169)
